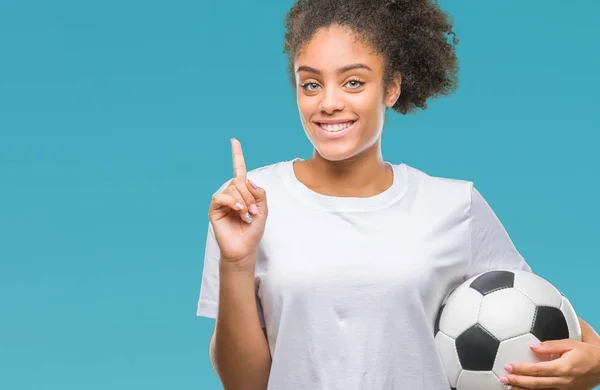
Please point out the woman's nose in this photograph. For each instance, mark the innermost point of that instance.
(331, 102)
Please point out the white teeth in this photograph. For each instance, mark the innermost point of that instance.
(335, 127)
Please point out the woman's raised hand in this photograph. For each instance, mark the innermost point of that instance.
(238, 214)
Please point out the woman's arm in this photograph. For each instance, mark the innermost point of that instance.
(239, 350)
(588, 334)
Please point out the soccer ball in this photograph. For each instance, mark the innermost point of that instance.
(492, 318)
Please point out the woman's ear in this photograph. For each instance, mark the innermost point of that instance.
(393, 90)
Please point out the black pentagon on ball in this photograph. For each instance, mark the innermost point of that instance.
(436, 326)
(492, 281)
(477, 349)
(549, 323)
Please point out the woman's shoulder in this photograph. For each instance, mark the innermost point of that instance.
(270, 174)
(435, 187)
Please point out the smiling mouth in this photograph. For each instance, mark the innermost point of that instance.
(335, 127)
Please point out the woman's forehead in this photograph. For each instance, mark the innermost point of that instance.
(333, 48)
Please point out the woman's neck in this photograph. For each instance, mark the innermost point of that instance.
(364, 175)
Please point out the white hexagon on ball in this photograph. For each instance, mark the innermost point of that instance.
(478, 380)
(516, 350)
(460, 311)
(539, 290)
(506, 313)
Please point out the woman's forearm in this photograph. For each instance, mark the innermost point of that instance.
(239, 349)
(588, 334)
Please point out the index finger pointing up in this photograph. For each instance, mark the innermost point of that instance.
(239, 165)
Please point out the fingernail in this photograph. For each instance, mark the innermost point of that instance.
(503, 380)
(247, 217)
(535, 346)
(253, 209)
(508, 368)
(252, 184)
(239, 206)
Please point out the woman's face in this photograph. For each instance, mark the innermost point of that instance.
(341, 95)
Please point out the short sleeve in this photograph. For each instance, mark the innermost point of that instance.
(491, 246)
(209, 287)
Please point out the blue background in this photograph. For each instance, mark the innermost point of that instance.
(115, 118)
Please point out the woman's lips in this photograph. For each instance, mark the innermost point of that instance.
(334, 130)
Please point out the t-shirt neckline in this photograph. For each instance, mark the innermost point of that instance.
(335, 203)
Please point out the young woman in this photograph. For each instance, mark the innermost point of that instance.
(334, 282)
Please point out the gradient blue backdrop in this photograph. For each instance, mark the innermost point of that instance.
(115, 118)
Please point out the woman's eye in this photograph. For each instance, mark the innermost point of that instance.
(354, 83)
(310, 86)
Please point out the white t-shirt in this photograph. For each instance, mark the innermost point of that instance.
(348, 288)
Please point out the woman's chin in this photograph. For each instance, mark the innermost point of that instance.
(335, 152)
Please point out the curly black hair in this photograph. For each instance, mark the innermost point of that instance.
(414, 37)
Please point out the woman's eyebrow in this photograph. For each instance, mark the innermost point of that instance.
(344, 69)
